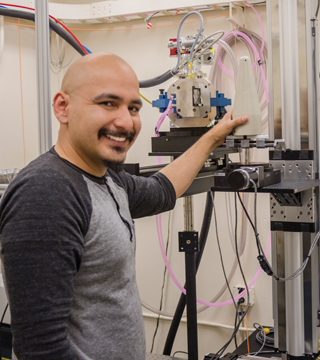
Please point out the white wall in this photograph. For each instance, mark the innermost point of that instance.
(146, 51)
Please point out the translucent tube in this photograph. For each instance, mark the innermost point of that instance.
(227, 49)
(195, 41)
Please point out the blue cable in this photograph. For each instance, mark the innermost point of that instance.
(90, 52)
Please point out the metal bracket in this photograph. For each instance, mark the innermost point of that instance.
(189, 241)
(280, 144)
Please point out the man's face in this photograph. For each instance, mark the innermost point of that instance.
(103, 115)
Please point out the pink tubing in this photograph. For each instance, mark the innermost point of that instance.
(165, 259)
(161, 242)
(262, 29)
(163, 116)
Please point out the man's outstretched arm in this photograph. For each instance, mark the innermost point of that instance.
(185, 168)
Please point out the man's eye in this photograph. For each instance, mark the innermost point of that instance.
(108, 103)
(134, 109)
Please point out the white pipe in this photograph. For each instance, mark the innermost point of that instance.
(200, 322)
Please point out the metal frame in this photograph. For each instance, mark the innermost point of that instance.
(43, 75)
(121, 10)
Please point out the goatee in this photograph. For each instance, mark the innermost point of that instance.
(113, 165)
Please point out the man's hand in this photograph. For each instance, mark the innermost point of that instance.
(183, 170)
(224, 128)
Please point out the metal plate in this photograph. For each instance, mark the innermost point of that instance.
(192, 116)
(295, 170)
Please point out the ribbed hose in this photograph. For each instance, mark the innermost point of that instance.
(157, 80)
(182, 301)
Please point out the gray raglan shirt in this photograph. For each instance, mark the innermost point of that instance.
(68, 252)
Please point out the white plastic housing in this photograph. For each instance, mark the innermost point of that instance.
(246, 101)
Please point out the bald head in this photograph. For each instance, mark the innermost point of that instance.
(98, 110)
(91, 66)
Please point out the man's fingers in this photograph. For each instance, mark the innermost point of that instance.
(240, 120)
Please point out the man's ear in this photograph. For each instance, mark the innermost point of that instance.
(60, 104)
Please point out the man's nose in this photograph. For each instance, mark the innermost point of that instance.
(123, 119)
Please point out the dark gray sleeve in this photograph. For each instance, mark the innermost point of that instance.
(43, 219)
(148, 196)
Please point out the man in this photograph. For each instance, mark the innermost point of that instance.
(66, 228)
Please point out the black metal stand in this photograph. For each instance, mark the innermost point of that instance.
(188, 243)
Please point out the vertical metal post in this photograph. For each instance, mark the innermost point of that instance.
(43, 74)
(290, 109)
(312, 41)
(289, 66)
(294, 294)
(270, 69)
(313, 79)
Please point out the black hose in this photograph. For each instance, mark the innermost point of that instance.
(207, 216)
(71, 41)
(52, 24)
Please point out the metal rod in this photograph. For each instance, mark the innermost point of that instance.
(247, 156)
(188, 213)
(43, 74)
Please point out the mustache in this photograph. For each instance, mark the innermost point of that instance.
(129, 135)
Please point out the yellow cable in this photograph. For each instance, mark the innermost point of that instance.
(145, 99)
